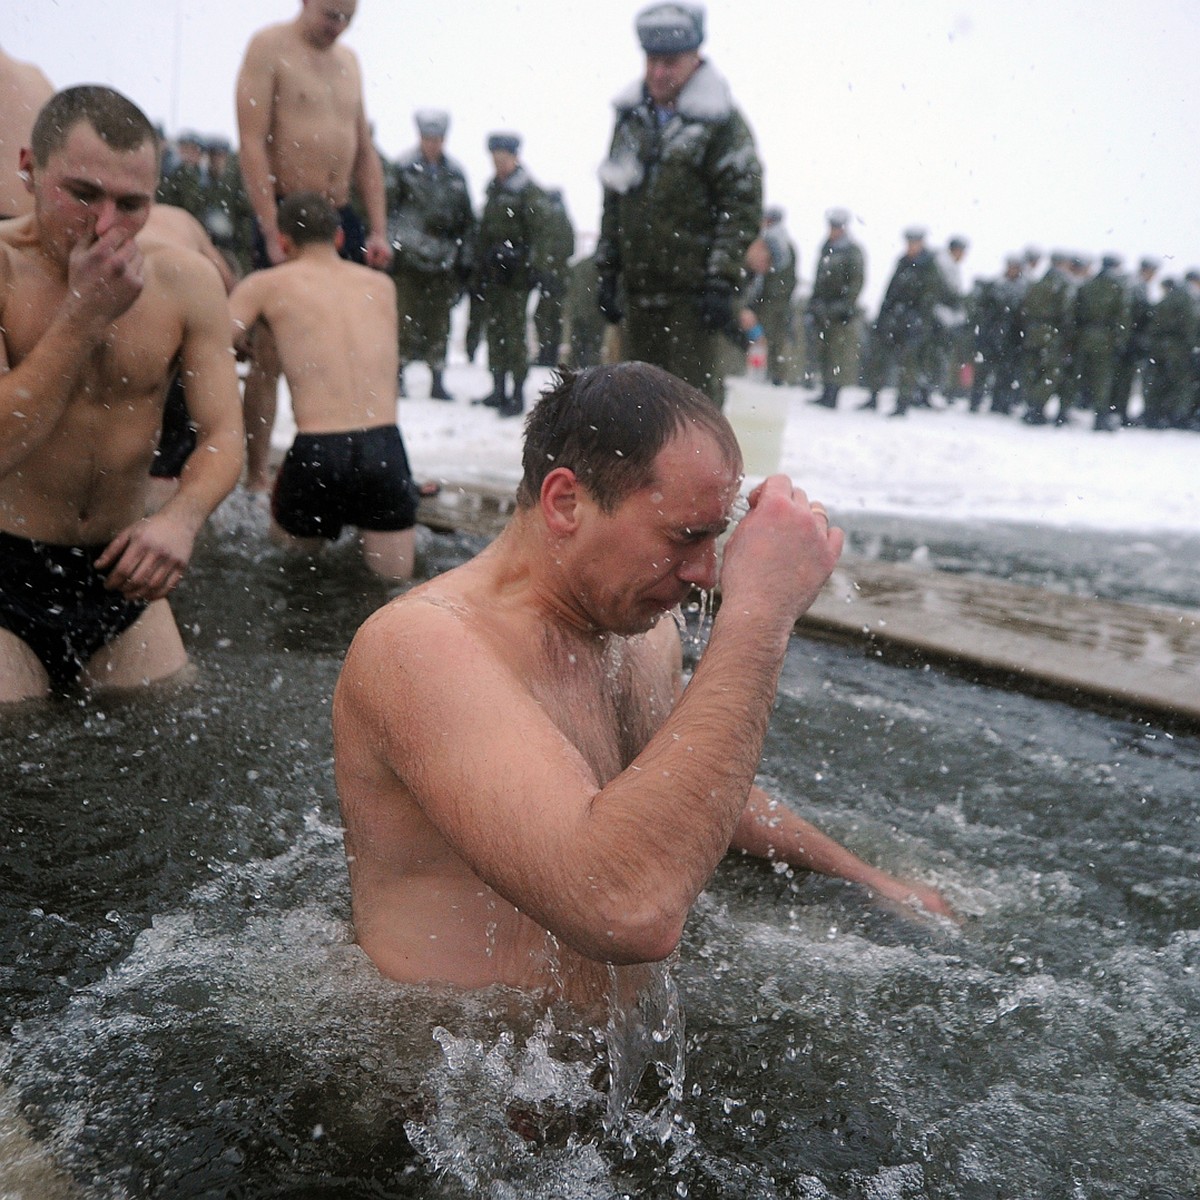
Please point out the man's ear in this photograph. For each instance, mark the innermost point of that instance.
(25, 167)
(559, 499)
(339, 239)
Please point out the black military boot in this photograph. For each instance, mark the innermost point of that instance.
(871, 403)
(497, 397)
(438, 390)
(514, 405)
(827, 398)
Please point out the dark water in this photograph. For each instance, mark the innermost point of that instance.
(183, 1014)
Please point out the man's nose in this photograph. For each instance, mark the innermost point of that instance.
(699, 567)
(105, 211)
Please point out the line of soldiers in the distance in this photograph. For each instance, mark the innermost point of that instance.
(1039, 343)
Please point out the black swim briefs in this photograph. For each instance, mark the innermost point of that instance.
(360, 478)
(53, 598)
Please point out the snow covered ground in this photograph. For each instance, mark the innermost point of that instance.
(947, 466)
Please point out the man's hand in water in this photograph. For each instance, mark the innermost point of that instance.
(148, 559)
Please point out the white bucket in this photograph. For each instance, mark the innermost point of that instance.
(758, 413)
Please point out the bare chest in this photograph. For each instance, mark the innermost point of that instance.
(610, 706)
(313, 91)
(133, 359)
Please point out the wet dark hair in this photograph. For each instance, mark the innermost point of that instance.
(307, 217)
(117, 120)
(608, 424)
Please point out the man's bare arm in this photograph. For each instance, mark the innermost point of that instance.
(246, 310)
(769, 829)
(369, 179)
(611, 870)
(149, 558)
(104, 277)
(255, 98)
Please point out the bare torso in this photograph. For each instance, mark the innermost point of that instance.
(88, 479)
(316, 103)
(23, 91)
(420, 911)
(334, 324)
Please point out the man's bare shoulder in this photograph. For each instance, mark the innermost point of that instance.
(265, 46)
(180, 271)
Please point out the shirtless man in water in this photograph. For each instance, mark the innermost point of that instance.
(92, 323)
(302, 127)
(335, 326)
(528, 795)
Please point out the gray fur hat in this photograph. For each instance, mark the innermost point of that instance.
(432, 122)
(670, 28)
(509, 142)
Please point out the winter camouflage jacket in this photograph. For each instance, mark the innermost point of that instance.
(513, 235)
(838, 282)
(682, 200)
(430, 221)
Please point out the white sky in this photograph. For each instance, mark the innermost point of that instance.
(1066, 123)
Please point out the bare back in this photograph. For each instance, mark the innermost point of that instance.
(334, 325)
(23, 91)
(313, 111)
(88, 479)
(420, 910)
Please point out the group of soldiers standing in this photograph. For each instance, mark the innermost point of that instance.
(1084, 337)
(1033, 343)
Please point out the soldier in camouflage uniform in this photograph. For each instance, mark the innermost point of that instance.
(682, 203)
(513, 234)
(993, 311)
(1046, 323)
(187, 184)
(228, 213)
(1171, 338)
(773, 304)
(431, 226)
(1102, 308)
(552, 284)
(906, 322)
(1134, 353)
(832, 313)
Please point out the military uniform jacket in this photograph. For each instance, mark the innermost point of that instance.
(184, 188)
(1102, 303)
(916, 288)
(513, 234)
(682, 196)
(1174, 322)
(431, 224)
(838, 282)
(1048, 303)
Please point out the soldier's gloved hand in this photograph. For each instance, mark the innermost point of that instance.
(716, 305)
(606, 300)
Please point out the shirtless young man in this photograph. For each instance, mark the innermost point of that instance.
(93, 324)
(528, 796)
(335, 326)
(23, 91)
(303, 127)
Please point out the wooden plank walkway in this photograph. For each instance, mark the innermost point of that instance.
(1128, 657)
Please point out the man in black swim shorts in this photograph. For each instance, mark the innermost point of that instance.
(93, 319)
(55, 600)
(335, 329)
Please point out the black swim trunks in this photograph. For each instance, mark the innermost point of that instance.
(54, 600)
(360, 478)
(354, 239)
